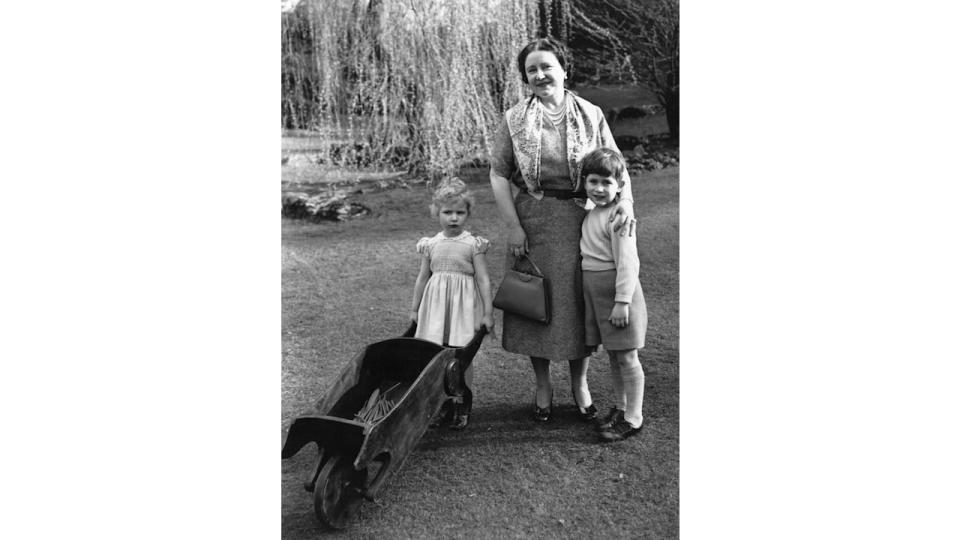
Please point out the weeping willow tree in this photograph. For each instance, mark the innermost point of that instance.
(416, 84)
(422, 84)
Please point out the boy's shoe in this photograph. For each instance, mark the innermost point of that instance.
(619, 431)
(612, 418)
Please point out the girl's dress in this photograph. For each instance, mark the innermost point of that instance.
(451, 309)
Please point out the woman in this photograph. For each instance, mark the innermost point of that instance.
(533, 172)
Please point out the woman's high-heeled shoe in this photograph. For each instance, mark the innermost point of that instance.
(588, 414)
(542, 414)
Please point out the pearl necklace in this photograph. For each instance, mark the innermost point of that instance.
(556, 118)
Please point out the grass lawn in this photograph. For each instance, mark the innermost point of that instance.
(348, 284)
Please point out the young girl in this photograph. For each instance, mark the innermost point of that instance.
(616, 313)
(452, 296)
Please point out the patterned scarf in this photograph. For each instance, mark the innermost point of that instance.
(525, 122)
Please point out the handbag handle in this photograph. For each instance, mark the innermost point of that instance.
(529, 260)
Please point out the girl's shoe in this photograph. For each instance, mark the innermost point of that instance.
(619, 431)
(612, 418)
(445, 416)
(461, 412)
(460, 421)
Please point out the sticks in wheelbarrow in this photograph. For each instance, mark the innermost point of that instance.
(380, 404)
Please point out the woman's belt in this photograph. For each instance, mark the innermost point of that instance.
(564, 194)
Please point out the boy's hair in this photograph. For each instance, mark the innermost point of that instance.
(547, 44)
(605, 162)
(451, 190)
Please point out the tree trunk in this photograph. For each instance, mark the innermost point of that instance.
(672, 105)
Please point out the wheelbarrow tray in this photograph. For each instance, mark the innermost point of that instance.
(374, 450)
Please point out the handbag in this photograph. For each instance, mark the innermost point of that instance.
(524, 294)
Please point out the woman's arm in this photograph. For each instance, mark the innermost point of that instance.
(502, 165)
(622, 216)
(422, 278)
(503, 194)
(483, 282)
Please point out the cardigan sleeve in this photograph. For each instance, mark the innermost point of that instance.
(628, 265)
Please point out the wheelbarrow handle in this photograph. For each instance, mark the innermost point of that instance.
(467, 352)
(412, 330)
(470, 348)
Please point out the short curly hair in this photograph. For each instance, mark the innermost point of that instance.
(451, 191)
(546, 44)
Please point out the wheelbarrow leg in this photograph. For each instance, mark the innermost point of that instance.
(311, 480)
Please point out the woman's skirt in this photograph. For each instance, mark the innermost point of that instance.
(553, 236)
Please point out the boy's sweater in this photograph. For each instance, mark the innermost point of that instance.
(603, 249)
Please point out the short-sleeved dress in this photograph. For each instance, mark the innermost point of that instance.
(451, 310)
(552, 227)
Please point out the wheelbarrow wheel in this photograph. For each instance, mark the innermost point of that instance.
(337, 495)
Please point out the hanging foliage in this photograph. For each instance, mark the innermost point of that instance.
(422, 84)
(416, 84)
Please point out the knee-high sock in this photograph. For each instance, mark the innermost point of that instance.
(619, 398)
(633, 380)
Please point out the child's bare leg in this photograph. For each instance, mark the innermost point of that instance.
(463, 406)
(468, 376)
(468, 379)
(631, 374)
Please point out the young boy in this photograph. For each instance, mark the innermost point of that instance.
(616, 313)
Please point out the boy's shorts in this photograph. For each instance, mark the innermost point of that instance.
(599, 290)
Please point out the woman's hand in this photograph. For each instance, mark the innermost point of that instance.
(517, 241)
(623, 219)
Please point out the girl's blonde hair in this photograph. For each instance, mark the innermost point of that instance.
(451, 191)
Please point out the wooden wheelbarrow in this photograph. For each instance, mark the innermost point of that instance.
(372, 417)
